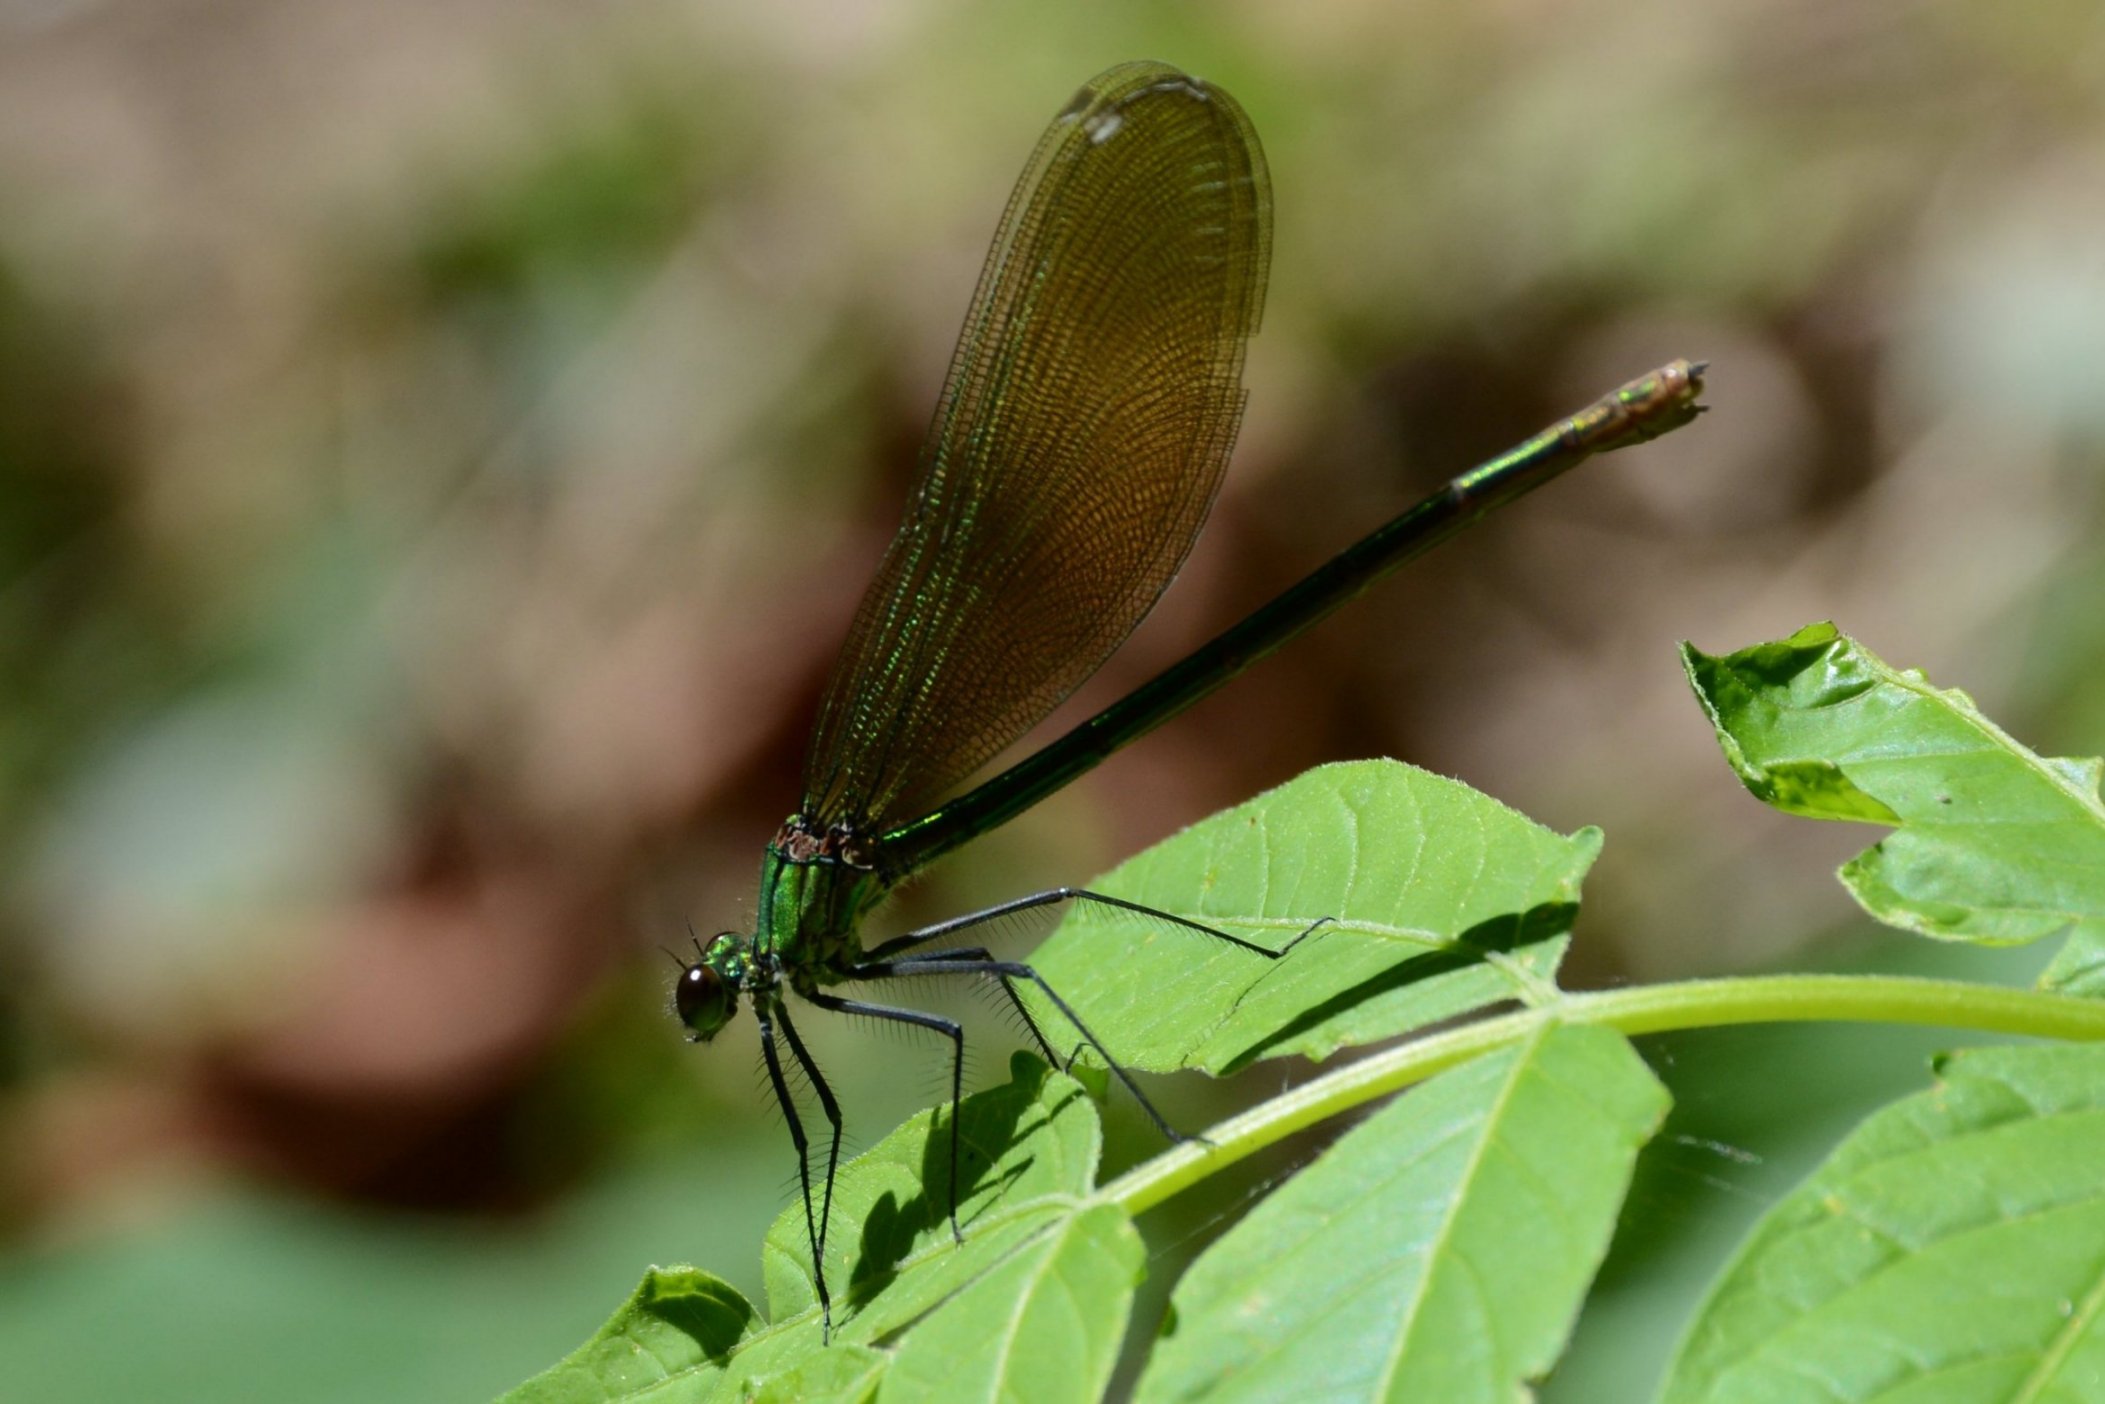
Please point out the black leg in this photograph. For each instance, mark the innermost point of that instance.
(832, 1109)
(1023, 1010)
(1054, 895)
(978, 963)
(951, 1030)
(796, 1134)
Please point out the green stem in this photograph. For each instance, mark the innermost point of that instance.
(1693, 1004)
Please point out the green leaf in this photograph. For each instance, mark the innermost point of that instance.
(1043, 1278)
(1441, 900)
(670, 1341)
(1043, 1325)
(1438, 1252)
(1028, 1152)
(1029, 1162)
(2078, 968)
(1952, 1249)
(1993, 844)
(844, 1374)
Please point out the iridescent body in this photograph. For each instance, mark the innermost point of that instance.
(1077, 446)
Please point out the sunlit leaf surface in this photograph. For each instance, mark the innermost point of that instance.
(1036, 1262)
(1440, 900)
(1029, 1151)
(1440, 1251)
(1044, 1325)
(1991, 844)
(670, 1341)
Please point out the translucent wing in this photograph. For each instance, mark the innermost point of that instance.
(1081, 435)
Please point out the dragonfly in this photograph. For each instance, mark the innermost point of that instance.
(1079, 441)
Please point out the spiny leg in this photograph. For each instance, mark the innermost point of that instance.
(882, 962)
(1052, 896)
(796, 1135)
(1023, 1011)
(832, 1109)
(978, 963)
(951, 1030)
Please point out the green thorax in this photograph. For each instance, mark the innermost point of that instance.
(814, 892)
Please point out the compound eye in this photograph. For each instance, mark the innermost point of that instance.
(703, 1000)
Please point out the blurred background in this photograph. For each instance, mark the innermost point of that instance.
(441, 445)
